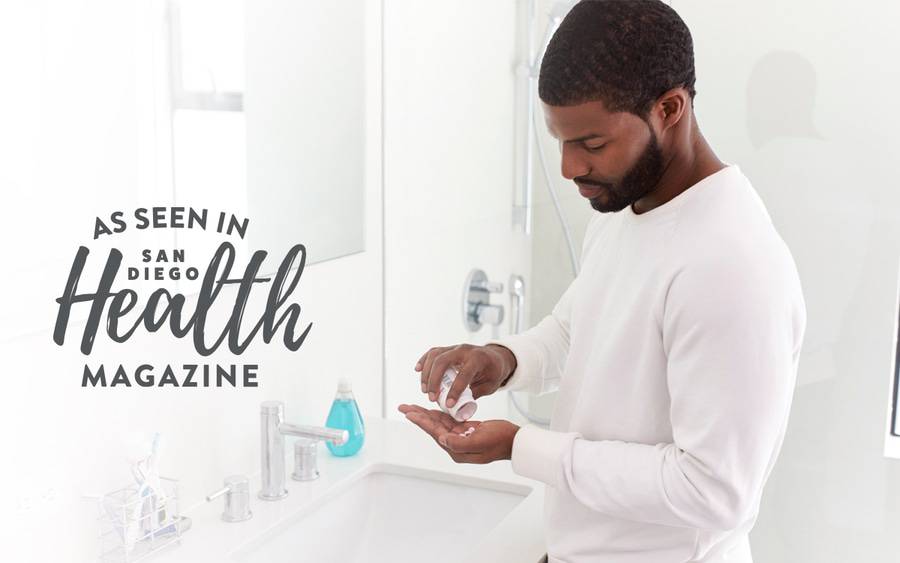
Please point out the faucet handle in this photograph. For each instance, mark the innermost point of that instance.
(489, 314)
(306, 467)
(306, 447)
(237, 498)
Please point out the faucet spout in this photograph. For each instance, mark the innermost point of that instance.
(334, 435)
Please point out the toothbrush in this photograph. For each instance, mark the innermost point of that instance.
(161, 516)
(136, 525)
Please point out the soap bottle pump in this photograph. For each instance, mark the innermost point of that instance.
(345, 415)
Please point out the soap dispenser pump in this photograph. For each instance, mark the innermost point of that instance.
(345, 415)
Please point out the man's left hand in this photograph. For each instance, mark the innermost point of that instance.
(491, 440)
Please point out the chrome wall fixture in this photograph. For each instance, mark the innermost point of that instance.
(476, 301)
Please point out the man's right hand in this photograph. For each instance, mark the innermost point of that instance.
(484, 368)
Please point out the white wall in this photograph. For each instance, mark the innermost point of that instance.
(72, 144)
(449, 177)
(794, 92)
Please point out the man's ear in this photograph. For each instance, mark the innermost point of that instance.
(670, 108)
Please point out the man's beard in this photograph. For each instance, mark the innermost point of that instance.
(637, 182)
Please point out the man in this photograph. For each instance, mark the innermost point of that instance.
(675, 350)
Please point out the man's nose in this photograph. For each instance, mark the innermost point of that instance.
(572, 165)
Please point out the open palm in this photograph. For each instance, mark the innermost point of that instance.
(488, 441)
(436, 422)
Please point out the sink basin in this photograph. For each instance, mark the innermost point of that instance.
(390, 513)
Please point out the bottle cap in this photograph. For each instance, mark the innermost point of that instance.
(464, 407)
(463, 410)
(344, 385)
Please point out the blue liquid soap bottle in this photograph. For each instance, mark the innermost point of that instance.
(345, 415)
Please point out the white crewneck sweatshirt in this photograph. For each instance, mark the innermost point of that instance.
(675, 353)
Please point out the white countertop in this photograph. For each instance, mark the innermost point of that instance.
(517, 538)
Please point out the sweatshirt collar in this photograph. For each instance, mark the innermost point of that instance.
(670, 207)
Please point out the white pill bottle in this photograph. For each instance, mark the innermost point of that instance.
(464, 407)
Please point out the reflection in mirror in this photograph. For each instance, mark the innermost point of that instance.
(267, 121)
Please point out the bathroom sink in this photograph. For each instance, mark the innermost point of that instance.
(390, 513)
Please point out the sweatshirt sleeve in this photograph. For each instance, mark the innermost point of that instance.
(731, 329)
(541, 351)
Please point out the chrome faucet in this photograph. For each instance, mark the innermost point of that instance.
(273, 430)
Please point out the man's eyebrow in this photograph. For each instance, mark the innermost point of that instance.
(585, 138)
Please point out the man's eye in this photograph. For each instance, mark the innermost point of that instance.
(595, 149)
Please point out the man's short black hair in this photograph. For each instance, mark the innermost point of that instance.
(625, 53)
